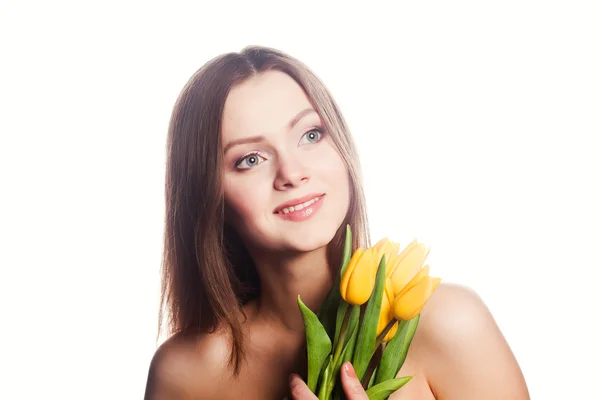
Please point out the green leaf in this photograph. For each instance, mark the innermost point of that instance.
(318, 344)
(329, 308)
(367, 334)
(353, 329)
(347, 251)
(396, 350)
(372, 380)
(339, 320)
(383, 390)
(348, 351)
(324, 390)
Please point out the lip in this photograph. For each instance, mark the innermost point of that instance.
(305, 213)
(297, 201)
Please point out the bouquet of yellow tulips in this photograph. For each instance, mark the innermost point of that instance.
(369, 318)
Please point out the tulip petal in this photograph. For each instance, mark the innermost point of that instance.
(408, 306)
(403, 254)
(390, 335)
(389, 291)
(391, 255)
(365, 344)
(382, 244)
(408, 267)
(389, 249)
(349, 270)
(422, 273)
(394, 251)
(361, 283)
(384, 314)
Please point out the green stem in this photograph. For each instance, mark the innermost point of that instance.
(339, 346)
(372, 365)
(377, 353)
(324, 392)
(342, 338)
(381, 336)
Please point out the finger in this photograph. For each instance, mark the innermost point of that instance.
(351, 384)
(299, 390)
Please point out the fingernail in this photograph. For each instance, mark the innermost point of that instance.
(292, 377)
(349, 370)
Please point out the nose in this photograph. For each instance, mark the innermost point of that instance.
(290, 173)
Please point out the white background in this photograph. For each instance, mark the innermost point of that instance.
(477, 123)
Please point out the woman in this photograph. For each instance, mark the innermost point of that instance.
(262, 178)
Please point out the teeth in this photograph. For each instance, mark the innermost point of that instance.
(299, 206)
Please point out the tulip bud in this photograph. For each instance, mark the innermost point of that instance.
(408, 264)
(390, 250)
(359, 278)
(410, 303)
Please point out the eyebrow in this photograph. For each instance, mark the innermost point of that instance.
(256, 139)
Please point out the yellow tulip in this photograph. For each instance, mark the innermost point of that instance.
(359, 279)
(409, 303)
(386, 315)
(405, 272)
(390, 250)
(408, 286)
(407, 265)
(400, 269)
(416, 279)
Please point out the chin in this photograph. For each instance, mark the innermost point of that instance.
(309, 237)
(308, 244)
(316, 233)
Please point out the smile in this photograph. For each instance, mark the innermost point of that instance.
(299, 206)
(301, 211)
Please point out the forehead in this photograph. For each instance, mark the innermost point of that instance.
(261, 105)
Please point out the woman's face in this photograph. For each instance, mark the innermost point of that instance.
(286, 186)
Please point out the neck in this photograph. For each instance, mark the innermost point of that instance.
(284, 278)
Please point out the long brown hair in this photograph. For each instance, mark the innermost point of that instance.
(207, 274)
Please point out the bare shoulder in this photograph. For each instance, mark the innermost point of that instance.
(188, 368)
(455, 310)
(463, 352)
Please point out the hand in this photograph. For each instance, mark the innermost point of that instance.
(350, 384)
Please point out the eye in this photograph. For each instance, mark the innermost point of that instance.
(312, 136)
(249, 161)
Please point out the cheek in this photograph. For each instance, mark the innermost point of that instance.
(333, 168)
(234, 198)
(243, 198)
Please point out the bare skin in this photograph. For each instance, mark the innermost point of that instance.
(458, 353)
